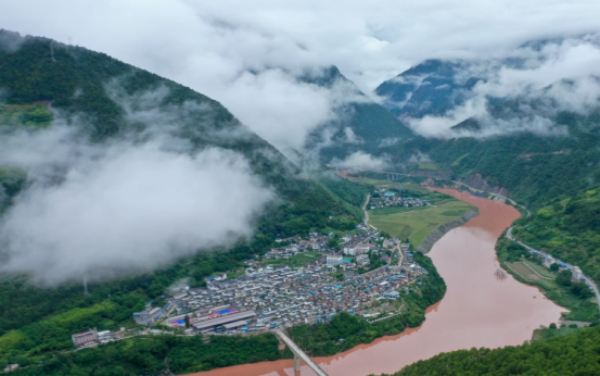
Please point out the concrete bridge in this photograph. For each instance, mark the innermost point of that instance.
(299, 354)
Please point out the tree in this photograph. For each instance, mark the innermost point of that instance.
(187, 321)
(554, 268)
(332, 243)
(564, 278)
(581, 290)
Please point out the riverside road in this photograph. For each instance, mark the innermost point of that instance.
(591, 284)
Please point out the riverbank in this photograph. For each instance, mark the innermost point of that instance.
(415, 213)
(494, 313)
(443, 229)
(527, 267)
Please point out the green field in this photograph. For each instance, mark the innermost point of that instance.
(540, 269)
(395, 209)
(417, 224)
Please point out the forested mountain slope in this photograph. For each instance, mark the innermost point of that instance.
(360, 124)
(530, 168)
(108, 98)
(432, 87)
(576, 354)
(568, 229)
(43, 82)
(501, 122)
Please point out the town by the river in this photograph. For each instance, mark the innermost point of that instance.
(481, 308)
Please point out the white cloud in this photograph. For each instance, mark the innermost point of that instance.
(103, 210)
(278, 108)
(537, 83)
(213, 46)
(360, 161)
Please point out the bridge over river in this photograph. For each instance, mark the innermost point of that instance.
(299, 354)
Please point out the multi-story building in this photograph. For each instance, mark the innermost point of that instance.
(148, 316)
(333, 260)
(362, 259)
(85, 339)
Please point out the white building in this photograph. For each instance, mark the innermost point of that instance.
(357, 250)
(333, 260)
(148, 316)
(362, 259)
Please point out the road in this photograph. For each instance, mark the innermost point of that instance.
(364, 209)
(591, 284)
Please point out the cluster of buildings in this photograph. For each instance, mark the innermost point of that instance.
(383, 197)
(267, 297)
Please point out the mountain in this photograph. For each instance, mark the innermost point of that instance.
(574, 354)
(105, 96)
(360, 124)
(432, 87)
(504, 123)
(567, 229)
(43, 82)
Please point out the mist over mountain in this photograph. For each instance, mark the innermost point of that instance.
(522, 91)
(108, 170)
(358, 126)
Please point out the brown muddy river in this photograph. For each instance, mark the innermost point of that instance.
(478, 310)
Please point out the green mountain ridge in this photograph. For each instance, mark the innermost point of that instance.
(103, 99)
(369, 122)
(575, 354)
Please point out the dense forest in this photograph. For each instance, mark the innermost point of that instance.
(533, 169)
(155, 355)
(567, 228)
(573, 355)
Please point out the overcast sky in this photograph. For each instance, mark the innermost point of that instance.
(245, 53)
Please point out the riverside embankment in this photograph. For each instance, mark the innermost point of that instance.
(479, 309)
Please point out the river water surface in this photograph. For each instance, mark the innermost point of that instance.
(478, 310)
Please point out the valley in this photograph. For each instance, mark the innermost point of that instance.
(495, 312)
(445, 223)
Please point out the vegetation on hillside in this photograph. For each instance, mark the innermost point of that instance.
(556, 285)
(534, 169)
(568, 229)
(154, 355)
(572, 355)
(41, 79)
(368, 121)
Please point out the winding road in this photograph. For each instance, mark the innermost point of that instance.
(364, 209)
(591, 284)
